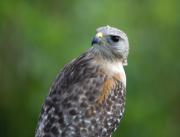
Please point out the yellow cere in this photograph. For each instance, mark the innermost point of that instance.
(99, 35)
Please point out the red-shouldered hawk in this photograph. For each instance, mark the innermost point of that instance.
(87, 98)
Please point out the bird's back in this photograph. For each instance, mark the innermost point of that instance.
(79, 106)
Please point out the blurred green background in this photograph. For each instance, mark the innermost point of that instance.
(38, 37)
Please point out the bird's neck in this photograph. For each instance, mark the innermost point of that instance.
(113, 69)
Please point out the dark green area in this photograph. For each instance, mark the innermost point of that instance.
(37, 38)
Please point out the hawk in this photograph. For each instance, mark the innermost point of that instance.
(87, 99)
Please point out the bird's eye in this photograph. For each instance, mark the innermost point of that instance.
(115, 38)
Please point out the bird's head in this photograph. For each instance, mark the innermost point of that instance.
(111, 43)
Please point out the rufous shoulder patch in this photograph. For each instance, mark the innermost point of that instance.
(108, 85)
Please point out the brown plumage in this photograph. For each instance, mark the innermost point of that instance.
(88, 96)
(108, 86)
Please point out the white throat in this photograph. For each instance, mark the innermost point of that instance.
(116, 68)
(113, 69)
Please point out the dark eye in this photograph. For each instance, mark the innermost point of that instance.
(115, 38)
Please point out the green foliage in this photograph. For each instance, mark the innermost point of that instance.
(37, 38)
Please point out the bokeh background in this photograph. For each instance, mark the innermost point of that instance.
(38, 37)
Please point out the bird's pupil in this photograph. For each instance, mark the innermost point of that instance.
(115, 38)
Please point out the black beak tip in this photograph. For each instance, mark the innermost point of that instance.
(95, 41)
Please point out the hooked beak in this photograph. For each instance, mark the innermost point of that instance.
(97, 38)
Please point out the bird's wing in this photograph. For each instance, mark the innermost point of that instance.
(72, 97)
